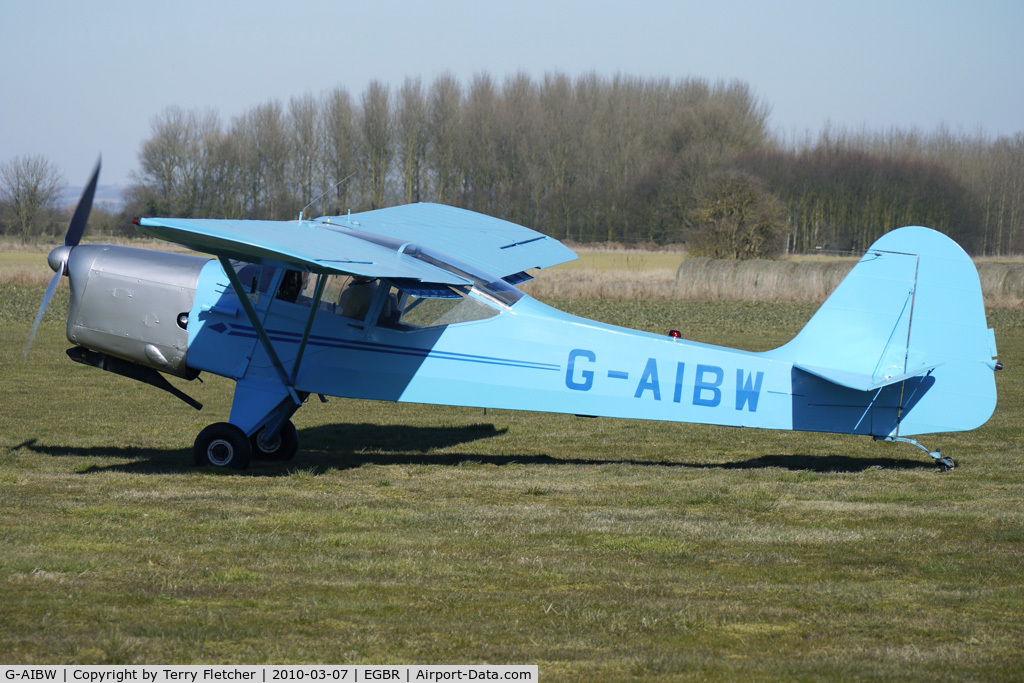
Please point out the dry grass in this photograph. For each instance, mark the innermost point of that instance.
(1002, 283)
(24, 268)
(804, 282)
(621, 274)
(640, 276)
(656, 284)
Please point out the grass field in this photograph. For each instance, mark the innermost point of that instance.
(597, 549)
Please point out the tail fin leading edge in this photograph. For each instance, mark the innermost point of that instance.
(911, 309)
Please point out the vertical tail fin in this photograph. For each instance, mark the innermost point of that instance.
(911, 308)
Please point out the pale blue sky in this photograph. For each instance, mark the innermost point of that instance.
(81, 78)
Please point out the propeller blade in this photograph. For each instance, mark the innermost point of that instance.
(50, 289)
(81, 216)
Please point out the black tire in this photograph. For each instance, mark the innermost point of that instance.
(222, 445)
(284, 446)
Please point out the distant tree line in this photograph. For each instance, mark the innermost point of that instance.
(845, 189)
(607, 159)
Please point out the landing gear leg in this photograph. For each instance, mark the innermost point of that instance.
(945, 463)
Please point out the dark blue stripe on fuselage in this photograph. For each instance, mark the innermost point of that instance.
(371, 347)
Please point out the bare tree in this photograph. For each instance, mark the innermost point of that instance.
(411, 122)
(518, 149)
(306, 146)
(596, 158)
(376, 142)
(445, 115)
(479, 149)
(178, 162)
(261, 147)
(29, 189)
(339, 161)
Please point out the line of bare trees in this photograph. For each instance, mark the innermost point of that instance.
(567, 156)
(592, 158)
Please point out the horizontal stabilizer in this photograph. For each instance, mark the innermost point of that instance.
(860, 382)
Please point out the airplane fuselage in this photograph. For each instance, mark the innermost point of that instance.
(525, 356)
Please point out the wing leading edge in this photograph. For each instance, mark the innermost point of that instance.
(374, 243)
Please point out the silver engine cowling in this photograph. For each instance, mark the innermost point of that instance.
(132, 303)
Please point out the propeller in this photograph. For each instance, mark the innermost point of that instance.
(58, 258)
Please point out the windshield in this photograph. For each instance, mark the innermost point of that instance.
(499, 290)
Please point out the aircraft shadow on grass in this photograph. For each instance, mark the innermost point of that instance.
(346, 446)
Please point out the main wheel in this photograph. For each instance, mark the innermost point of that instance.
(283, 446)
(222, 445)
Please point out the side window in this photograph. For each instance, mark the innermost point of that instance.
(431, 311)
(291, 286)
(254, 277)
(412, 308)
(299, 288)
(355, 297)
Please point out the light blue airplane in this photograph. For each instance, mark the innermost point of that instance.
(419, 304)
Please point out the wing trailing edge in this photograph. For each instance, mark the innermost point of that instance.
(493, 246)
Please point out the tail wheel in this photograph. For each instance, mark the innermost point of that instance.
(222, 445)
(283, 446)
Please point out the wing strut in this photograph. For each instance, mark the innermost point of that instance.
(321, 283)
(287, 380)
(257, 325)
(279, 414)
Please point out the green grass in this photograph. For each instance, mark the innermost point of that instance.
(597, 549)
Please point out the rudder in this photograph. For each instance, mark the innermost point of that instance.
(911, 307)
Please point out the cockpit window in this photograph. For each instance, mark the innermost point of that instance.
(416, 312)
(253, 276)
(414, 307)
(291, 286)
(408, 305)
(356, 297)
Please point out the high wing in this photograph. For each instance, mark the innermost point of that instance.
(425, 242)
(491, 245)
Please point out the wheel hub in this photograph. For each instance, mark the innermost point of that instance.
(220, 452)
(268, 445)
